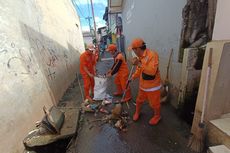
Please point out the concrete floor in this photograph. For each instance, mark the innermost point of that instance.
(169, 136)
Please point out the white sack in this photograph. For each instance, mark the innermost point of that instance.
(100, 88)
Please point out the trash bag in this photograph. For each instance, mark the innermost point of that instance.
(100, 88)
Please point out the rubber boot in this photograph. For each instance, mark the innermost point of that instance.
(137, 112)
(157, 116)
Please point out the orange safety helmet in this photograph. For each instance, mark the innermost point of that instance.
(136, 43)
(111, 47)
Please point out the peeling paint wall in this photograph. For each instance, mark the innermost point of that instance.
(158, 22)
(190, 79)
(40, 42)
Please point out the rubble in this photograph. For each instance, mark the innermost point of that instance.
(116, 117)
(58, 123)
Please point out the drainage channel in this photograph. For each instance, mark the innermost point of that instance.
(56, 147)
(71, 102)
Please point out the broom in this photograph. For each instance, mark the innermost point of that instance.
(79, 84)
(165, 87)
(196, 142)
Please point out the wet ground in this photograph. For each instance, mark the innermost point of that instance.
(169, 136)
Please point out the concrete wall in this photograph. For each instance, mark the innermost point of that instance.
(218, 98)
(221, 29)
(158, 22)
(39, 44)
(217, 102)
(190, 76)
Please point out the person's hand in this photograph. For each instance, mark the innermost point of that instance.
(108, 75)
(91, 75)
(135, 61)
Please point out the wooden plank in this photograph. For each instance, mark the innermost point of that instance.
(219, 149)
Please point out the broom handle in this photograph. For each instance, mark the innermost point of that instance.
(79, 84)
(127, 85)
(206, 84)
(169, 61)
(131, 72)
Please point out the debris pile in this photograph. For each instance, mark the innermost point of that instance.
(110, 111)
(46, 129)
(58, 123)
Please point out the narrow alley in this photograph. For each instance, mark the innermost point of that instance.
(114, 76)
(171, 135)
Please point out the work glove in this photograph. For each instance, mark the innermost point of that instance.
(136, 61)
(91, 75)
(108, 74)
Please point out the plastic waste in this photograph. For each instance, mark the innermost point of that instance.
(106, 101)
(104, 111)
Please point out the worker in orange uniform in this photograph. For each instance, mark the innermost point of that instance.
(120, 68)
(87, 70)
(147, 71)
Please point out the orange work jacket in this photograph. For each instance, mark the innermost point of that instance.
(87, 60)
(148, 72)
(120, 66)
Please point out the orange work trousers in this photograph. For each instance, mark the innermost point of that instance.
(153, 97)
(88, 85)
(120, 81)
